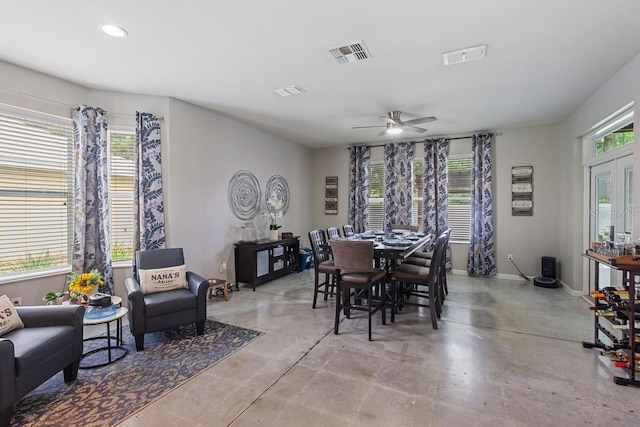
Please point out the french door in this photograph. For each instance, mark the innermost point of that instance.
(611, 206)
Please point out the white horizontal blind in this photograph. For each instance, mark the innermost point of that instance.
(459, 197)
(121, 187)
(376, 196)
(36, 193)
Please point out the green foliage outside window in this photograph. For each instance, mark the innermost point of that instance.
(619, 138)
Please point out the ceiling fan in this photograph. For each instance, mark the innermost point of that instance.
(395, 125)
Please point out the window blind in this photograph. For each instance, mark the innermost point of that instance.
(36, 193)
(121, 193)
(459, 197)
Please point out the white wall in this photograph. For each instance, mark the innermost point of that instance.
(621, 89)
(201, 151)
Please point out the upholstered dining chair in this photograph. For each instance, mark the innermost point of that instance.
(322, 264)
(422, 282)
(357, 279)
(405, 227)
(163, 295)
(424, 259)
(333, 233)
(348, 230)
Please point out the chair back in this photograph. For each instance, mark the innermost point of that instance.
(318, 246)
(352, 255)
(405, 227)
(348, 230)
(158, 258)
(333, 233)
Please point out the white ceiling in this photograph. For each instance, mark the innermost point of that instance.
(543, 58)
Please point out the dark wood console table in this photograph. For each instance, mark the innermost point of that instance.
(266, 260)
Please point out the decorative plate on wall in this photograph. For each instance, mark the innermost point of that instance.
(244, 195)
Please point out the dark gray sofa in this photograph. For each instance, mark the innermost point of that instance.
(51, 341)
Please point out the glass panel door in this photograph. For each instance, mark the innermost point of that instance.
(611, 206)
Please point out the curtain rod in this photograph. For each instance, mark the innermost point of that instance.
(427, 140)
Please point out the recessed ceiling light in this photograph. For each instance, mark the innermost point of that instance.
(114, 30)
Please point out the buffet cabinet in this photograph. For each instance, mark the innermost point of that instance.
(265, 260)
(616, 319)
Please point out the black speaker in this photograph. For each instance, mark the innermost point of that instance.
(549, 267)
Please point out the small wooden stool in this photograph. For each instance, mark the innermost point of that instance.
(218, 285)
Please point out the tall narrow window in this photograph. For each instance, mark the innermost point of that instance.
(122, 169)
(459, 198)
(36, 193)
(376, 196)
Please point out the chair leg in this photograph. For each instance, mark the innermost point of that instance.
(338, 307)
(200, 327)
(139, 342)
(432, 306)
(315, 289)
(369, 307)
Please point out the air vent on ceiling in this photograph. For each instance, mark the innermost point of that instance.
(352, 52)
(465, 55)
(289, 90)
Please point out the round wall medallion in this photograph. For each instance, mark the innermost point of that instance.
(278, 189)
(244, 195)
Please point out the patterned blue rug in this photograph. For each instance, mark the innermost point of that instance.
(106, 396)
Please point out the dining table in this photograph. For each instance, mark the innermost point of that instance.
(392, 246)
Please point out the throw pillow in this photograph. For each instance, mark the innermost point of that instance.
(9, 319)
(163, 279)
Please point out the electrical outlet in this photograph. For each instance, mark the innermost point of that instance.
(16, 301)
(509, 257)
(223, 267)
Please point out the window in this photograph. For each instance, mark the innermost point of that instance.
(376, 196)
(615, 139)
(121, 188)
(36, 193)
(459, 198)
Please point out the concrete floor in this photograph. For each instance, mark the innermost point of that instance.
(506, 353)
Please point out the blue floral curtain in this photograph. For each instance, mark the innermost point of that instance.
(92, 234)
(435, 217)
(148, 204)
(482, 258)
(359, 187)
(398, 158)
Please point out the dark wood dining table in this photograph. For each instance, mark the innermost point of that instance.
(395, 249)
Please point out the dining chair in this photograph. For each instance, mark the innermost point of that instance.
(424, 259)
(348, 230)
(404, 227)
(422, 283)
(333, 233)
(322, 264)
(357, 279)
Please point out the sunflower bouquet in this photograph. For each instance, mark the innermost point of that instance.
(80, 284)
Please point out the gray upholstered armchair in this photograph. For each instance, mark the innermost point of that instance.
(151, 312)
(51, 341)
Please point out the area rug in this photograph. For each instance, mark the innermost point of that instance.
(106, 396)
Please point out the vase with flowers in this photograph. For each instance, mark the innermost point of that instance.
(273, 213)
(82, 285)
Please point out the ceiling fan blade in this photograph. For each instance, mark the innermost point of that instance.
(413, 128)
(420, 120)
(388, 119)
(366, 127)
